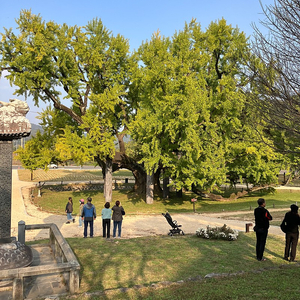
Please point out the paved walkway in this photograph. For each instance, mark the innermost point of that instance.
(133, 226)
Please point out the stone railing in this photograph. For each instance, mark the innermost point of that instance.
(78, 187)
(63, 254)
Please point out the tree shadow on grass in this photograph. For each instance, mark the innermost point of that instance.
(130, 262)
(133, 197)
(172, 200)
(85, 194)
(112, 264)
(220, 256)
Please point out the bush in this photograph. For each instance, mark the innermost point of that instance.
(224, 233)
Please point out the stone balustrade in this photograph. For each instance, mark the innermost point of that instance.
(66, 262)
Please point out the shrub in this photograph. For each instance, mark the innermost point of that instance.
(224, 233)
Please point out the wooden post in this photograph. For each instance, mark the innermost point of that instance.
(248, 226)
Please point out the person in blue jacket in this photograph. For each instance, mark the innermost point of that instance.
(88, 216)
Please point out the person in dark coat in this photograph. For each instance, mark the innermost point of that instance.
(69, 210)
(292, 222)
(117, 218)
(88, 215)
(262, 218)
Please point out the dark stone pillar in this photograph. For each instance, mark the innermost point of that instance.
(6, 150)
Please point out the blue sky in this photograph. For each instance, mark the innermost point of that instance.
(136, 20)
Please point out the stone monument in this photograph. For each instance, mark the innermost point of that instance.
(13, 125)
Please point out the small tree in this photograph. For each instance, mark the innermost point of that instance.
(193, 120)
(37, 153)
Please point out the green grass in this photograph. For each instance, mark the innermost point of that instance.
(253, 286)
(125, 263)
(133, 203)
(109, 265)
(55, 201)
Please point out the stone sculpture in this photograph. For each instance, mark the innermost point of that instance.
(13, 125)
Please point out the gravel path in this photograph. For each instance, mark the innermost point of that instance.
(133, 226)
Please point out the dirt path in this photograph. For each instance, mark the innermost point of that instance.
(133, 226)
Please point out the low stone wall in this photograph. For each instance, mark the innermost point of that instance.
(78, 187)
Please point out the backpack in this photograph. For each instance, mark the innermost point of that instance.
(283, 227)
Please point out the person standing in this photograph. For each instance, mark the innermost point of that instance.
(81, 204)
(117, 217)
(69, 210)
(262, 218)
(88, 216)
(106, 217)
(292, 221)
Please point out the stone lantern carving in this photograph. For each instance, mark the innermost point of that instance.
(13, 125)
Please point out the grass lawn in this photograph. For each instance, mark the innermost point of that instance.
(251, 286)
(109, 265)
(55, 202)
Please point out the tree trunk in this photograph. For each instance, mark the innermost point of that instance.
(140, 182)
(150, 189)
(166, 190)
(121, 143)
(157, 187)
(122, 161)
(179, 193)
(286, 182)
(108, 180)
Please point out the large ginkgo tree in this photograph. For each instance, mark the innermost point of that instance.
(193, 120)
(83, 73)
